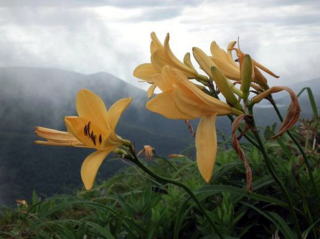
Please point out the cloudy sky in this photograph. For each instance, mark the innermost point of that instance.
(91, 36)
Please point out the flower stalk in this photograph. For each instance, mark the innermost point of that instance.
(271, 170)
(133, 158)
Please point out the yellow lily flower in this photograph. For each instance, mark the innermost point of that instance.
(181, 99)
(161, 55)
(93, 128)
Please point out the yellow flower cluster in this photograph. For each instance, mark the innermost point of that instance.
(181, 98)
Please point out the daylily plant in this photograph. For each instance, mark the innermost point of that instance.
(94, 127)
(181, 99)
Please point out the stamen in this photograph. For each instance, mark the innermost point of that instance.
(100, 139)
(93, 137)
(88, 126)
(85, 130)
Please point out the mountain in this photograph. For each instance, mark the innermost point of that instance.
(266, 114)
(42, 97)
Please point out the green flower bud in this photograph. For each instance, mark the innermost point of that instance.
(224, 87)
(246, 75)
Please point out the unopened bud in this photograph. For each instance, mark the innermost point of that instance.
(224, 87)
(246, 75)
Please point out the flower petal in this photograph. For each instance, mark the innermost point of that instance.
(55, 135)
(197, 95)
(150, 91)
(159, 60)
(116, 111)
(206, 146)
(155, 43)
(164, 104)
(219, 53)
(230, 71)
(145, 71)
(187, 105)
(91, 106)
(91, 165)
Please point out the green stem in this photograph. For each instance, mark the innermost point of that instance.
(306, 160)
(214, 94)
(161, 179)
(276, 178)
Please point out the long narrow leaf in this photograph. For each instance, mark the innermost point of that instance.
(311, 100)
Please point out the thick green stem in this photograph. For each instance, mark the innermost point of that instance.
(306, 160)
(271, 170)
(161, 179)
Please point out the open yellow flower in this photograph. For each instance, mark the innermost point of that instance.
(161, 55)
(181, 99)
(93, 128)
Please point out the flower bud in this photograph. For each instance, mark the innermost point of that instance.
(246, 75)
(222, 83)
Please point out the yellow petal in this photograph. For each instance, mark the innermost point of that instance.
(229, 70)
(116, 111)
(155, 43)
(221, 54)
(163, 82)
(206, 146)
(150, 91)
(91, 106)
(187, 61)
(58, 143)
(203, 60)
(197, 95)
(145, 71)
(55, 135)
(91, 165)
(87, 132)
(230, 48)
(159, 60)
(189, 106)
(164, 104)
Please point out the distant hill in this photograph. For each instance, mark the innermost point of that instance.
(35, 96)
(267, 116)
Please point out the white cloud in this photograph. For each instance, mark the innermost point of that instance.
(113, 36)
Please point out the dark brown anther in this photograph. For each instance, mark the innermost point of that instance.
(85, 130)
(100, 139)
(93, 137)
(88, 126)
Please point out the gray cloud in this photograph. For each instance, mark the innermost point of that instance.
(115, 3)
(157, 14)
(62, 38)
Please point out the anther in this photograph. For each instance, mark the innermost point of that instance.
(85, 130)
(93, 137)
(100, 139)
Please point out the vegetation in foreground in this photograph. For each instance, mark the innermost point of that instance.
(132, 205)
